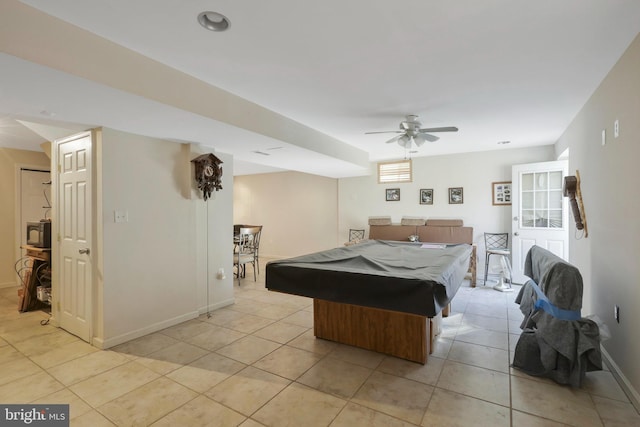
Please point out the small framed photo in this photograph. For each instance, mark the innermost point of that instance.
(455, 195)
(393, 194)
(501, 192)
(426, 196)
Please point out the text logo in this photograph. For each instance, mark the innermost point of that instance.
(34, 415)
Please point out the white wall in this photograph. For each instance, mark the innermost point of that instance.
(298, 211)
(608, 258)
(362, 197)
(151, 276)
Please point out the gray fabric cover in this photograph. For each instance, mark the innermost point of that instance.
(562, 350)
(399, 276)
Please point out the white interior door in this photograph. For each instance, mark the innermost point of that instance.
(539, 212)
(74, 227)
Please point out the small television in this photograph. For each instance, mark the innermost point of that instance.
(39, 233)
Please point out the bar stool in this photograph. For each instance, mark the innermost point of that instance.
(497, 244)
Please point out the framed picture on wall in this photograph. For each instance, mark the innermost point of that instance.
(455, 195)
(393, 194)
(426, 196)
(501, 193)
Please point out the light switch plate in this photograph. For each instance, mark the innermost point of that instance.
(616, 129)
(604, 137)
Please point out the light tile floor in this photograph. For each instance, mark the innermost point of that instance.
(258, 363)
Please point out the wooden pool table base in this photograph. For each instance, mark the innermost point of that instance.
(404, 335)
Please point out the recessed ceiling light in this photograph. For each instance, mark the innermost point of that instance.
(504, 142)
(213, 21)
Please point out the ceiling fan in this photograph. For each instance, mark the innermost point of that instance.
(411, 132)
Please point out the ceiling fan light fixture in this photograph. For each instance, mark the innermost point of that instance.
(213, 21)
(405, 141)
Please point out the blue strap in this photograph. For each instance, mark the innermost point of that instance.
(546, 305)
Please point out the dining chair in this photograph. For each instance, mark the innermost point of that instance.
(256, 244)
(496, 244)
(245, 251)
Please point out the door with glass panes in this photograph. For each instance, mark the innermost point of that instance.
(539, 212)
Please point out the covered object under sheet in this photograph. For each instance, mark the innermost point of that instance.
(556, 341)
(407, 277)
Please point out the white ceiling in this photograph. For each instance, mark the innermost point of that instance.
(499, 70)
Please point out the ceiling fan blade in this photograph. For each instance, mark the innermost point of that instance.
(395, 138)
(444, 129)
(429, 137)
(385, 131)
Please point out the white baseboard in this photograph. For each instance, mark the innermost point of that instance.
(221, 304)
(630, 391)
(113, 341)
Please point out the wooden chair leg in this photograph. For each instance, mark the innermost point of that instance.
(473, 266)
(446, 310)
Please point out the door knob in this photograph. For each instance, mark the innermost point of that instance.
(516, 234)
(515, 218)
(84, 251)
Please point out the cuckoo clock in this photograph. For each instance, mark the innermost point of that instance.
(208, 174)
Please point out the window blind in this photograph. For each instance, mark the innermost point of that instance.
(397, 171)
